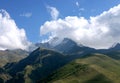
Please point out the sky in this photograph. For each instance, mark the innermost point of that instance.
(31, 21)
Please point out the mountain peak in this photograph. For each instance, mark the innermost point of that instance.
(115, 46)
(68, 41)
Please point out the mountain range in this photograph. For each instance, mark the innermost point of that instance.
(64, 62)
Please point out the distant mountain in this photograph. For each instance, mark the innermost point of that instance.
(68, 46)
(115, 47)
(113, 52)
(49, 44)
(65, 46)
(8, 56)
(94, 68)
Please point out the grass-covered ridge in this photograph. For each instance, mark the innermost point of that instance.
(70, 69)
(95, 68)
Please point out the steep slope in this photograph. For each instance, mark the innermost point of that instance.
(95, 68)
(9, 56)
(39, 64)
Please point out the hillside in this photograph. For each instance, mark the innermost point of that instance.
(8, 56)
(95, 68)
(86, 67)
(40, 63)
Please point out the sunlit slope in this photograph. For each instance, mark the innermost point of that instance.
(95, 68)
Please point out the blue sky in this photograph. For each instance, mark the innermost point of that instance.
(31, 14)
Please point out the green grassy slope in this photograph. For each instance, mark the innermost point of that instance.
(96, 68)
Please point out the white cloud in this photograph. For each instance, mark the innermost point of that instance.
(11, 37)
(77, 4)
(54, 12)
(101, 31)
(27, 15)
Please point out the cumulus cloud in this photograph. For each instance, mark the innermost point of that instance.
(99, 32)
(11, 37)
(54, 12)
(27, 15)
